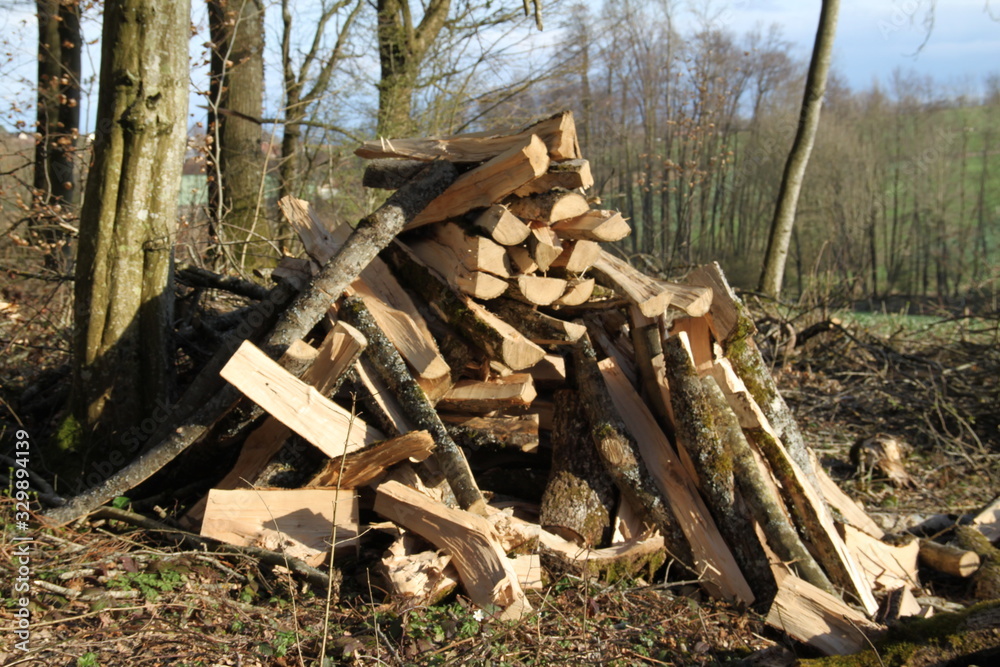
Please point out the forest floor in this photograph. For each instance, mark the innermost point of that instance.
(111, 594)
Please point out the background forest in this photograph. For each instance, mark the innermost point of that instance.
(687, 132)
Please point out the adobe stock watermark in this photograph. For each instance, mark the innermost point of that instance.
(20, 587)
(903, 12)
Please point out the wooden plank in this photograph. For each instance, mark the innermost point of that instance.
(302, 408)
(814, 617)
(713, 559)
(471, 540)
(516, 390)
(848, 509)
(558, 132)
(596, 225)
(487, 183)
(634, 285)
(298, 522)
(502, 226)
(336, 354)
(567, 175)
(369, 465)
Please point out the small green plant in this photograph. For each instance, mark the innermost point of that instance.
(150, 584)
(87, 660)
(121, 502)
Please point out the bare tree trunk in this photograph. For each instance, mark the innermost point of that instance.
(402, 47)
(795, 168)
(57, 111)
(236, 98)
(124, 298)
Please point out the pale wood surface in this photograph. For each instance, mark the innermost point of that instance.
(472, 542)
(596, 225)
(577, 256)
(299, 406)
(369, 465)
(502, 226)
(544, 245)
(578, 290)
(295, 521)
(476, 253)
(537, 290)
(887, 566)
(487, 183)
(568, 175)
(713, 558)
(517, 390)
(549, 207)
(477, 284)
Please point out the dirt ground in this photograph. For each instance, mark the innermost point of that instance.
(106, 593)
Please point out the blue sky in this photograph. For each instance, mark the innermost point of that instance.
(874, 38)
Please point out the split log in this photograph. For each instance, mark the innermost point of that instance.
(502, 226)
(537, 326)
(620, 454)
(369, 465)
(712, 556)
(558, 132)
(488, 183)
(847, 509)
(811, 514)
(494, 433)
(477, 284)
(577, 256)
(497, 338)
(579, 497)
(566, 175)
(647, 353)
(761, 497)
(476, 253)
(298, 522)
(578, 290)
(550, 371)
(543, 245)
(537, 290)
(331, 428)
(377, 401)
(817, 618)
(517, 390)
(549, 207)
(701, 420)
(637, 287)
(594, 225)
(521, 258)
(337, 353)
(733, 330)
(471, 541)
(393, 372)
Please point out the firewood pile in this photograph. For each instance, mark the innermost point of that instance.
(509, 399)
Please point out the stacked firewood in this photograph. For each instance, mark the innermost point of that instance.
(638, 420)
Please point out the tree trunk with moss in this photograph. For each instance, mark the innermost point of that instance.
(123, 292)
(579, 500)
(236, 98)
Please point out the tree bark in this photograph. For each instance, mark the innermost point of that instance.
(123, 293)
(795, 167)
(236, 98)
(57, 111)
(402, 47)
